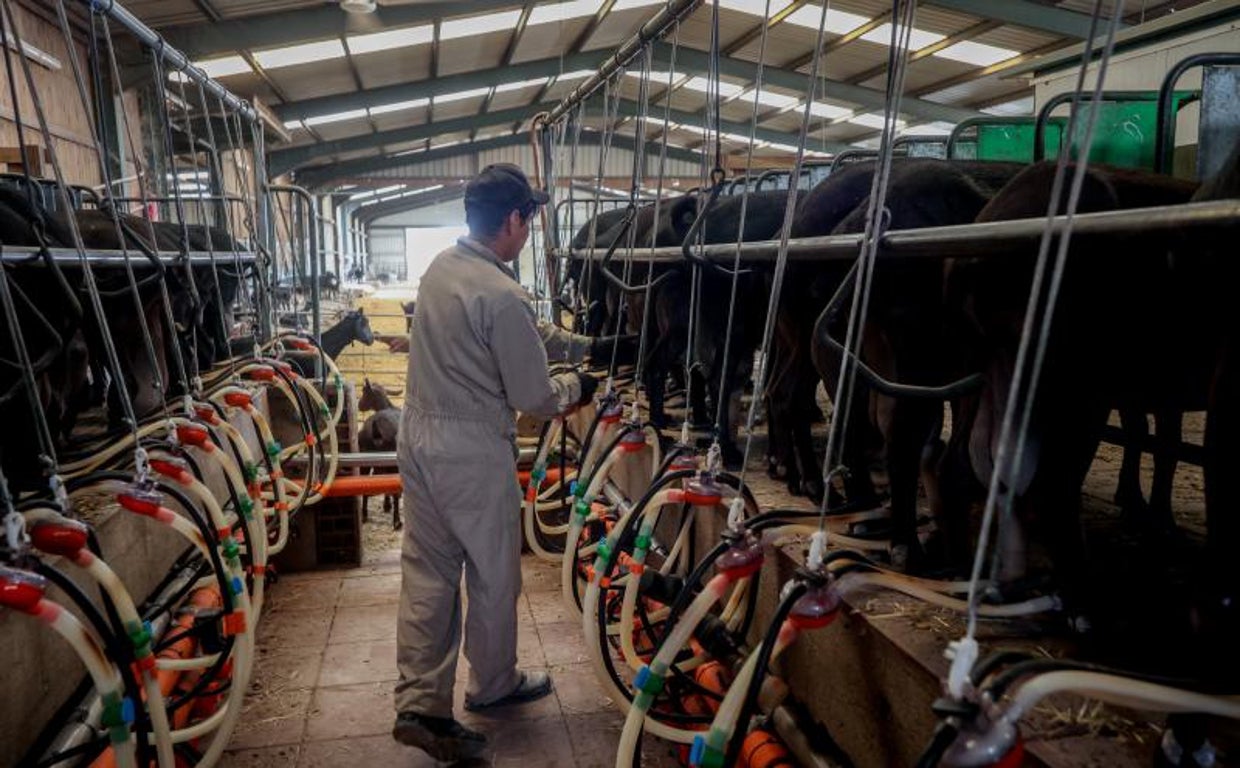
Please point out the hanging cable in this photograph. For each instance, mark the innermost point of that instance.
(964, 651)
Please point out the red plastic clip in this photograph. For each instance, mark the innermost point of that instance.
(192, 435)
(233, 624)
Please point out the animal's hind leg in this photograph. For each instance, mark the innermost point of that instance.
(397, 521)
(1128, 494)
(1168, 428)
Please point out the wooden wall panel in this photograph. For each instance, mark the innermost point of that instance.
(68, 122)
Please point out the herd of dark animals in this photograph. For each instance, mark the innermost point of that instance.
(66, 346)
(1139, 328)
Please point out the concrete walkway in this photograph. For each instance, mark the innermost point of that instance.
(327, 661)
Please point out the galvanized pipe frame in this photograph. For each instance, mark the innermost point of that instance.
(653, 30)
(175, 58)
(1173, 223)
(68, 258)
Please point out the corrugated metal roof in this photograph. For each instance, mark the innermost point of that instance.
(788, 42)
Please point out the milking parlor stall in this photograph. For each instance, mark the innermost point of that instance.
(917, 435)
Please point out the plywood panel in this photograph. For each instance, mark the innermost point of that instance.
(68, 122)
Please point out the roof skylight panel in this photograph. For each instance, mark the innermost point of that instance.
(460, 95)
(551, 13)
(754, 7)
(375, 192)
(980, 54)
(770, 99)
(335, 117)
(469, 26)
(726, 89)
(399, 106)
(225, 66)
(938, 128)
(872, 120)
(628, 5)
(577, 75)
(392, 38)
(303, 53)
(828, 111)
(918, 38)
(838, 22)
(505, 87)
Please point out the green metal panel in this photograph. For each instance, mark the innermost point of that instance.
(1014, 141)
(1126, 130)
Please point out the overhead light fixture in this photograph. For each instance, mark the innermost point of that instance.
(357, 6)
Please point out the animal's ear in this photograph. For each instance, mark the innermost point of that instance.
(361, 311)
(366, 383)
(684, 211)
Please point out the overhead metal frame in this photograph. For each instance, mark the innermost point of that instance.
(273, 30)
(321, 175)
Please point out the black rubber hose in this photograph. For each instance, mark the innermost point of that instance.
(113, 645)
(179, 496)
(765, 651)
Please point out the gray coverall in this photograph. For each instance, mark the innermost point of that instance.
(476, 353)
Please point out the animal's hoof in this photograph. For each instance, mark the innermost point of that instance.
(733, 459)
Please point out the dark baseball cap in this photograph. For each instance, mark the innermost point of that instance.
(504, 186)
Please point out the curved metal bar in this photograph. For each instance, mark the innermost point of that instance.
(1164, 139)
(822, 331)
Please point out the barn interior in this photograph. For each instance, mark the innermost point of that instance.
(912, 330)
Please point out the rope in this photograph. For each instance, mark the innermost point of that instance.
(781, 258)
(876, 218)
(658, 202)
(721, 408)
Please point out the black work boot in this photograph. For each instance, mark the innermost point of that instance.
(442, 738)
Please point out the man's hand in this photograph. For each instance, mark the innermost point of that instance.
(589, 385)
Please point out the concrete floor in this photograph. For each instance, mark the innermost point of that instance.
(327, 661)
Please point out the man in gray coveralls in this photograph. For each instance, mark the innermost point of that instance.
(476, 354)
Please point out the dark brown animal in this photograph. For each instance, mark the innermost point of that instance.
(378, 434)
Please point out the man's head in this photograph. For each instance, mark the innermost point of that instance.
(499, 204)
